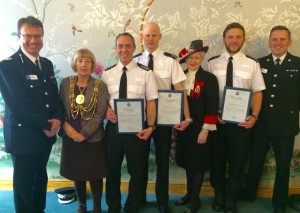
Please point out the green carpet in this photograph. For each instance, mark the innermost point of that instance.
(53, 206)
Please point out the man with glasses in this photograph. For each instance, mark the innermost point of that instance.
(33, 114)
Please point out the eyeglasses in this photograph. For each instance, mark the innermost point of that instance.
(29, 37)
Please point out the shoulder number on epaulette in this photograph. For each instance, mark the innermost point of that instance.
(217, 56)
(143, 66)
(248, 56)
(108, 68)
(170, 55)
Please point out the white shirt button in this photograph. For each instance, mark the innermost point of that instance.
(46, 93)
(272, 96)
(271, 105)
(274, 85)
(275, 75)
(47, 105)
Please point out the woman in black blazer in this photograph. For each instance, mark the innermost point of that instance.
(193, 144)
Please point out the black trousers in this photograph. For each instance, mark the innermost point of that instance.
(162, 137)
(30, 181)
(283, 147)
(230, 149)
(135, 151)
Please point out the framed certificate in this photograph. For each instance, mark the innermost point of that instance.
(169, 107)
(235, 104)
(130, 113)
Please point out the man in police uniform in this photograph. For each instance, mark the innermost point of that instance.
(33, 114)
(232, 140)
(167, 72)
(140, 84)
(278, 122)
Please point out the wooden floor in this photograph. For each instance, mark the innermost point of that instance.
(174, 188)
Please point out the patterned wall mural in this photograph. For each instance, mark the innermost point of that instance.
(71, 24)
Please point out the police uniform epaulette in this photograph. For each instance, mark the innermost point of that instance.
(170, 55)
(143, 66)
(248, 56)
(108, 68)
(137, 55)
(217, 56)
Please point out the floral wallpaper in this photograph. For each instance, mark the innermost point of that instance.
(71, 24)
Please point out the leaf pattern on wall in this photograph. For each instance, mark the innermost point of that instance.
(180, 22)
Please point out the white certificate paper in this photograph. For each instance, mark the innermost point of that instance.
(236, 104)
(130, 114)
(169, 107)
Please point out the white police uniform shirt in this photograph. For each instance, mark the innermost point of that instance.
(246, 72)
(140, 82)
(167, 70)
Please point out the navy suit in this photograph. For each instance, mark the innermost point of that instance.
(31, 98)
(278, 124)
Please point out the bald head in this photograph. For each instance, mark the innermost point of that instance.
(151, 36)
(153, 26)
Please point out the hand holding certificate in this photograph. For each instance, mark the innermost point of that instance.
(236, 104)
(169, 107)
(130, 114)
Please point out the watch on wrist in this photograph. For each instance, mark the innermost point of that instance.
(189, 120)
(254, 116)
(152, 126)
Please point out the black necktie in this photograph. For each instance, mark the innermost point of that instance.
(150, 62)
(277, 62)
(229, 74)
(123, 84)
(37, 64)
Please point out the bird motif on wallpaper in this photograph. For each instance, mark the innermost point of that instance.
(127, 24)
(111, 33)
(72, 7)
(74, 29)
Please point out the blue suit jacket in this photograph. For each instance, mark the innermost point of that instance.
(31, 98)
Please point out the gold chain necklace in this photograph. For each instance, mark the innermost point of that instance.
(76, 108)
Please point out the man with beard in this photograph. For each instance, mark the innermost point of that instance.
(233, 69)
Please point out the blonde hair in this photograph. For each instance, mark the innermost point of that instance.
(83, 53)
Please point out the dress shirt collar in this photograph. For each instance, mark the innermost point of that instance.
(155, 53)
(281, 58)
(235, 56)
(129, 66)
(32, 58)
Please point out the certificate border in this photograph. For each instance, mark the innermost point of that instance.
(181, 111)
(239, 89)
(130, 100)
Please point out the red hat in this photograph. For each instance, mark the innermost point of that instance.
(194, 46)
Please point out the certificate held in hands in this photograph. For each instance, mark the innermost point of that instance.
(130, 114)
(235, 104)
(169, 107)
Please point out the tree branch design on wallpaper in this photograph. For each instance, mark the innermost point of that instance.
(180, 22)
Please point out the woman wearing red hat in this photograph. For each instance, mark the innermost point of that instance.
(193, 144)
